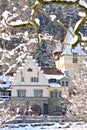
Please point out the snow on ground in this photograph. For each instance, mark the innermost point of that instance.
(46, 126)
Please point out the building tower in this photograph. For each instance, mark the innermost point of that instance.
(69, 60)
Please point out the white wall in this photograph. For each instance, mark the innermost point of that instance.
(27, 84)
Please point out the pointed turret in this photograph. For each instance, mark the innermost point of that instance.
(67, 44)
(67, 41)
(70, 60)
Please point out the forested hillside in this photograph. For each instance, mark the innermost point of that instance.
(20, 38)
(16, 43)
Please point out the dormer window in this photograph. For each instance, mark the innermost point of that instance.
(65, 83)
(52, 80)
(29, 69)
(75, 58)
(62, 83)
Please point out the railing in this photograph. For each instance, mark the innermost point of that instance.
(43, 118)
(4, 98)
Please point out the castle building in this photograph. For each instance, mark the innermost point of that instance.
(45, 90)
(39, 89)
(67, 59)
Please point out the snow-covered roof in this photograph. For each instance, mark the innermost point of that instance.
(6, 78)
(6, 81)
(52, 71)
(54, 85)
(79, 50)
(5, 85)
(57, 77)
(68, 40)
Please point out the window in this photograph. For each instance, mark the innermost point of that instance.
(34, 79)
(75, 58)
(57, 109)
(38, 93)
(74, 54)
(29, 70)
(55, 93)
(60, 94)
(62, 83)
(58, 81)
(22, 79)
(21, 73)
(49, 80)
(52, 80)
(7, 93)
(67, 83)
(2, 93)
(21, 93)
(51, 94)
(66, 73)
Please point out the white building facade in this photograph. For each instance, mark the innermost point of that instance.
(39, 89)
(29, 86)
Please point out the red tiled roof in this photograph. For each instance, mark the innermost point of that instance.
(52, 71)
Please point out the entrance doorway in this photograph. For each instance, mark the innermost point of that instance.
(45, 108)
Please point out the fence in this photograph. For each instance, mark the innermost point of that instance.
(36, 119)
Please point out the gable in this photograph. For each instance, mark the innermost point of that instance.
(30, 73)
(65, 78)
(65, 81)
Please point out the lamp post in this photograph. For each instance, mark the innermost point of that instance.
(27, 107)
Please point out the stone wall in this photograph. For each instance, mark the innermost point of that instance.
(27, 102)
(55, 106)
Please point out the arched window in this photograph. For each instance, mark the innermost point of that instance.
(62, 83)
(29, 69)
(51, 93)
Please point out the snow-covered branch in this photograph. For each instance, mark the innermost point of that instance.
(35, 22)
(14, 20)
